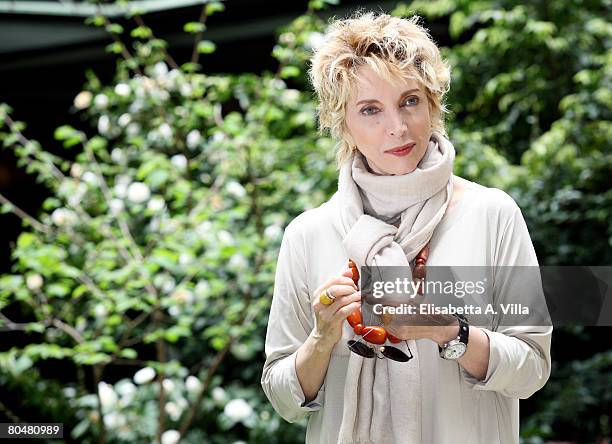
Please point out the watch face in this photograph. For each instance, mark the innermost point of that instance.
(454, 351)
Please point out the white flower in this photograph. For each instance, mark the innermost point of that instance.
(101, 101)
(203, 229)
(219, 395)
(193, 384)
(116, 206)
(75, 197)
(124, 120)
(225, 237)
(114, 420)
(132, 129)
(238, 410)
(63, 216)
(182, 296)
(120, 190)
(82, 100)
(165, 131)
(314, 40)
(148, 83)
(118, 155)
(123, 179)
(179, 161)
(173, 410)
(138, 192)
(76, 170)
(174, 311)
(156, 204)
(218, 136)
(236, 189)
(103, 125)
(144, 375)
(170, 437)
(273, 231)
(69, 392)
(100, 310)
(108, 397)
(160, 70)
(122, 89)
(168, 285)
(193, 138)
(125, 389)
(202, 288)
(290, 96)
(241, 351)
(136, 106)
(90, 178)
(237, 262)
(278, 83)
(34, 282)
(186, 89)
(168, 385)
(185, 258)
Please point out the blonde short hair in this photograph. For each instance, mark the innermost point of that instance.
(395, 48)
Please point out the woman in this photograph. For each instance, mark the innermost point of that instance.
(381, 84)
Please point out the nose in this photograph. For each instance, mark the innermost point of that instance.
(397, 126)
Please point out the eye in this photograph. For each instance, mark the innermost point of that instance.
(412, 100)
(366, 110)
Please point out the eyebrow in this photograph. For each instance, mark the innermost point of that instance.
(374, 100)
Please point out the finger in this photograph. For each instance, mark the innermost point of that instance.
(340, 303)
(328, 311)
(345, 311)
(339, 291)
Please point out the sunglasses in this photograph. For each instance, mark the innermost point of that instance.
(387, 351)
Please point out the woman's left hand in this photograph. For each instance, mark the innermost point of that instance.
(434, 327)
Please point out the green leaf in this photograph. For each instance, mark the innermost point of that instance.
(141, 32)
(96, 144)
(78, 291)
(190, 67)
(213, 7)
(6, 208)
(114, 28)
(128, 353)
(65, 132)
(114, 48)
(10, 140)
(25, 240)
(57, 289)
(206, 47)
(96, 20)
(194, 27)
(289, 71)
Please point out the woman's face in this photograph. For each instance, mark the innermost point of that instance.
(381, 116)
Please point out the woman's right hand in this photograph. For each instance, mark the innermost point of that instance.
(329, 318)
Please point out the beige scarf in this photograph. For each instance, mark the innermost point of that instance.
(382, 398)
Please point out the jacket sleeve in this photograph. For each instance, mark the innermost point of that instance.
(519, 353)
(289, 325)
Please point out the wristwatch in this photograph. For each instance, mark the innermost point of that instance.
(455, 348)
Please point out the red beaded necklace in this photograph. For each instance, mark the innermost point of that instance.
(379, 335)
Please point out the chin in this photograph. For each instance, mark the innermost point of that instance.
(400, 170)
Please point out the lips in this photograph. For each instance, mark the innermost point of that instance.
(400, 149)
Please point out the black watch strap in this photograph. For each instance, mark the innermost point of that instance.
(464, 330)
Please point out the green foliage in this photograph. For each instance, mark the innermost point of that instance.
(163, 233)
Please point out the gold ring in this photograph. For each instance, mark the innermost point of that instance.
(326, 298)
